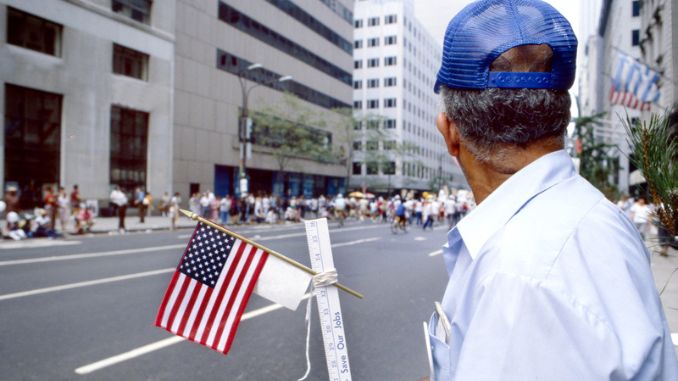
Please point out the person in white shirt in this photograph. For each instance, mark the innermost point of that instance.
(640, 214)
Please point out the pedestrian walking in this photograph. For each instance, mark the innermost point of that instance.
(119, 199)
(64, 213)
(75, 206)
(173, 211)
(640, 215)
(548, 280)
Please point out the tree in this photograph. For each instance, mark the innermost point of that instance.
(655, 151)
(596, 164)
(287, 133)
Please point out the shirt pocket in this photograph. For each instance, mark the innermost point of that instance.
(440, 352)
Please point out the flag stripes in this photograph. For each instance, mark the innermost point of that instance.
(634, 85)
(201, 309)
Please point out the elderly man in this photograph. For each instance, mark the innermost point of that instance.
(548, 280)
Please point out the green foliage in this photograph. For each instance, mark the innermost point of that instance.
(288, 130)
(655, 152)
(595, 162)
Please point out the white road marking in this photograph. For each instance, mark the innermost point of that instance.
(31, 243)
(420, 238)
(434, 253)
(88, 255)
(83, 284)
(674, 338)
(93, 367)
(356, 242)
(129, 276)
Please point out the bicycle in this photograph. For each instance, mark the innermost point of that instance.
(399, 223)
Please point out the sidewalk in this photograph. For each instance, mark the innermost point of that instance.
(110, 224)
(665, 270)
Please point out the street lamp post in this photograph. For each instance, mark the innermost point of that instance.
(245, 124)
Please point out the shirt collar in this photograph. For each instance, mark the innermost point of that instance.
(505, 201)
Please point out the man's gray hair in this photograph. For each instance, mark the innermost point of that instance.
(494, 120)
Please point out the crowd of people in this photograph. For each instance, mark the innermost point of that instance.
(50, 217)
(62, 213)
(421, 210)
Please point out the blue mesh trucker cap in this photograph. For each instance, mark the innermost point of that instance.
(485, 29)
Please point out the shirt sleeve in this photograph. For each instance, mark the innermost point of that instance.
(522, 331)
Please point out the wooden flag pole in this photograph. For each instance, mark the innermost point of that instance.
(291, 261)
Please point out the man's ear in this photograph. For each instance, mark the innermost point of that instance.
(450, 133)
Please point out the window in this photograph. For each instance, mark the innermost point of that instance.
(372, 42)
(372, 103)
(130, 62)
(390, 82)
(236, 65)
(635, 37)
(358, 24)
(636, 8)
(357, 44)
(358, 105)
(373, 62)
(390, 40)
(32, 136)
(129, 147)
(390, 61)
(372, 168)
(390, 102)
(358, 64)
(139, 10)
(373, 21)
(358, 146)
(357, 168)
(389, 145)
(357, 125)
(373, 124)
(32, 32)
(372, 83)
(372, 145)
(357, 85)
(391, 19)
(263, 33)
(390, 123)
(389, 168)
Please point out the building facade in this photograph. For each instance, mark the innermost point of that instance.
(86, 95)
(235, 52)
(396, 144)
(658, 46)
(618, 33)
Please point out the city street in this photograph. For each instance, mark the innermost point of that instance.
(84, 309)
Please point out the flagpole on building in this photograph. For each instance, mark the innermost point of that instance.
(291, 261)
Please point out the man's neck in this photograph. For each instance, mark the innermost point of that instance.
(485, 177)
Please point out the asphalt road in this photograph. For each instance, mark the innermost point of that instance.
(88, 304)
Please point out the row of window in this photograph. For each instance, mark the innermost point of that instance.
(337, 7)
(374, 104)
(35, 33)
(372, 167)
(312, 23)
(374, 124)
(374, 62)
(267, 35)
(373, 145)
(375, 21)
(374, 82)
(33, 144)
(389, 168)
(374, 42)
(238, 66)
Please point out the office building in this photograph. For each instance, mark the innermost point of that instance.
(86, 95)
(306, 43)
(396, 145)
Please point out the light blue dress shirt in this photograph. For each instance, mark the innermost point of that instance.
(550, 281)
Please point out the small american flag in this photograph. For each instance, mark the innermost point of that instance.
(210, 288)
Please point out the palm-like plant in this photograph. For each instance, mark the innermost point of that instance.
(655, 152)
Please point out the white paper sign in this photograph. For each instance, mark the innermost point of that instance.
(282, 283)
